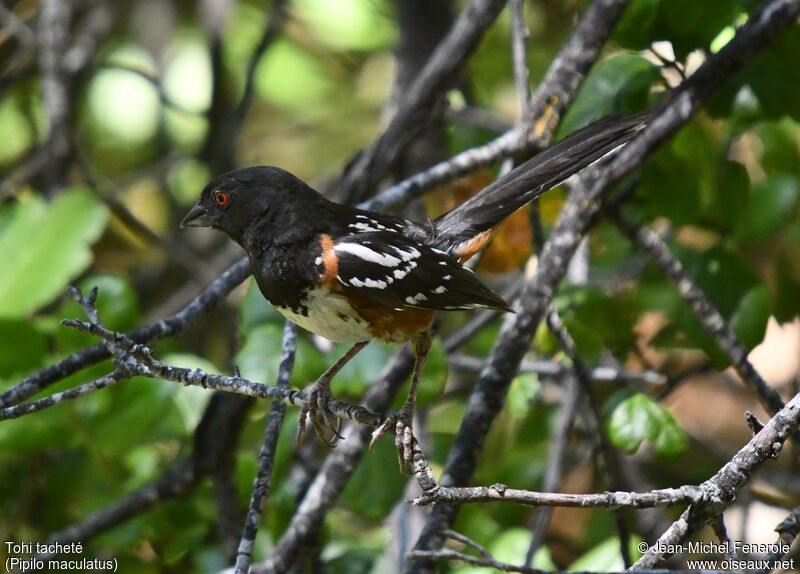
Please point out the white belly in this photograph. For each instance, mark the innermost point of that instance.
(329, 316)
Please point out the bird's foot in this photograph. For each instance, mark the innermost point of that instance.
(325, 423)
(401, 424)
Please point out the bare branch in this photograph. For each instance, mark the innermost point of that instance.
(611, 500)
(551, 98)
(138, 359)
(559, 440)
(517, 330)
(649, 242)
(370, 165)
(519, 43)
(53, 35)
(448, 554)
(721, 489)
(21, 410)
(179, 478)
(266, 457)
(556, 370)
(331, 478)
(166, 327)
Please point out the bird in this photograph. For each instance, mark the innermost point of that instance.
(353, 275)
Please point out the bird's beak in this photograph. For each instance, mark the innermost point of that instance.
(197, 217)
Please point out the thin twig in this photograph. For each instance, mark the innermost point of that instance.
(612, 500)
(559, 441)
(552, 96)
(53, 35)
(413, 114)
(650, 242)
(166, 327)
(266, 457)
(517, 330)
(519, 43)
(721, 489)
(139, 360)
(556, 370)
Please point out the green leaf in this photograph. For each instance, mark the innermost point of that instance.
(732, 196)
(597, 320)
(631, 418)
(22, 347)
(771, 204)
(521, 393)
(779, 151)
(377, 483)
(690, 25)
(46, 246)
(606, 556)
(260, 356)
(774, 76)
(511, 547)
(619, 83)
(749, 321)
(354, 379)
(635, 29)
(679, 180)
(723, 275)
(255, 310)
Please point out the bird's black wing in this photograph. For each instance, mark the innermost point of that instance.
(394, 271)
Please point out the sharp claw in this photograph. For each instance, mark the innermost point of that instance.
(332, 423)
(403, 439)
(316, 409)
(301, 424)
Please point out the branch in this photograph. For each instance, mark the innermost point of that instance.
(649, 242)
(266, 457)
(448, 554)
(53, 36)
(138, 359)
(609, 458)
(552, 97)
(788, 531)
(178, 479)
(332, 477)
(517, 330)
(612, 500)
(370, 165)
(167, 327)
(519, 43)
(720, 490)
(556, 370)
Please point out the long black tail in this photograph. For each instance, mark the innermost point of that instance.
(528, 181)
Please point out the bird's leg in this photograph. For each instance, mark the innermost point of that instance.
(316, 406)
(402, 420)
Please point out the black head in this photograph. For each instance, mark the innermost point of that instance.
(235, 201)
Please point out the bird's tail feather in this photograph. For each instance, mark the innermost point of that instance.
(525, 183)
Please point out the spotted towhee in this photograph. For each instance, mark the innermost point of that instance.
(353, 275)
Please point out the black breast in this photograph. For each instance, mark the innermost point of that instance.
(285, 273)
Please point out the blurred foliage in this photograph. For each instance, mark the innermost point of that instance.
(726, 189)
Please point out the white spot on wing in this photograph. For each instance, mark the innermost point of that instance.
(408, 255)
(441, 289)
(364, 227)
(418, 298)
(365, 253)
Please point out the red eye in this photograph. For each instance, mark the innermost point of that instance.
(221, 198)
